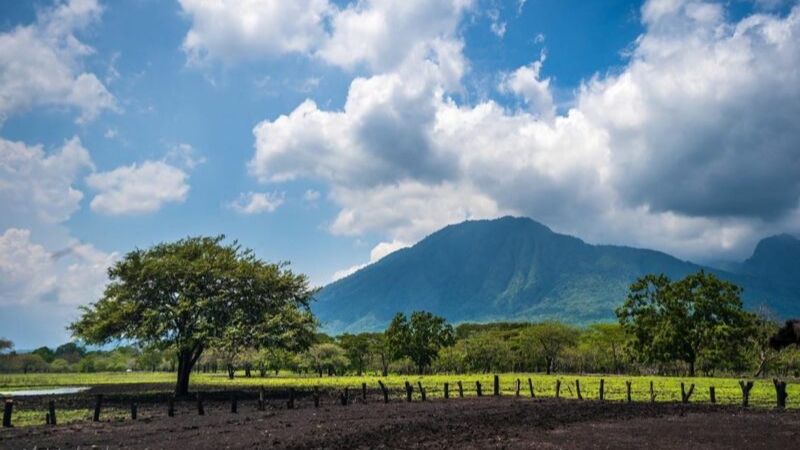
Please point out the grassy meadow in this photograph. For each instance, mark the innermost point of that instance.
(667, 389)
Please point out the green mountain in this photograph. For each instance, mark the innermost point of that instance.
(510, 269)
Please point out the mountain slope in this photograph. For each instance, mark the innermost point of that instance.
(506, 269)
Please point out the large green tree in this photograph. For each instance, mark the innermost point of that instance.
(419, 338)
(697, 317)
(198, 293)
(357, 349)
(548, 340)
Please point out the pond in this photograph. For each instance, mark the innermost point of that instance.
(45, 391)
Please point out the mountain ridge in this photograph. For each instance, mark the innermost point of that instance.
(511, 268)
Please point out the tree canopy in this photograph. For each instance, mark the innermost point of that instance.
(196, 293)
(419, 338)
(697, 317)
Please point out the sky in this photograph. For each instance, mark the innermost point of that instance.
(329, 133)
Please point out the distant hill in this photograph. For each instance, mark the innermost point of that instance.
(518, 269)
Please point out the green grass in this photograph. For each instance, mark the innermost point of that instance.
(667, 389)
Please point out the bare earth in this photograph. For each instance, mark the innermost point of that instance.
(487, 422)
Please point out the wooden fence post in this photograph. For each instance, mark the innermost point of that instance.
(496, 385)
(98, 403)
(409, 390)
(652, 393)
(384, 391)
(364, 391)
(518, 385)
(316, 397)
(51, 406)
(578, 389)
(628, 391)
(712, 394)
(234, 404)
(602, 389)
(170, 407)
(290, 403)
(558, 388)
(530, 386)
(460, 389)
(421, 390)
(478, 388)
(345, 396)
(780, 392)
(201, 411)
(685, 395)
(745, 392)
(446, 391)
(261, 404)
(7, 410)
(134, 412)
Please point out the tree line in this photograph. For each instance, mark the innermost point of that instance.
(201, 304)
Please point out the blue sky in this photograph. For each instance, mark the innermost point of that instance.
(329, 133)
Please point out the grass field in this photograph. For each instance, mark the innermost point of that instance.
(667, 389)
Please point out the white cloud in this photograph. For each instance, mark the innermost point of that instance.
(382, 33)
(138, 188)
(184, 155)
(30, 274)
(526, 82)
(378, 252)
(39, 187)
(232, 30)
(40, 64)
(690, 148)
(378, 34)
(258, 202)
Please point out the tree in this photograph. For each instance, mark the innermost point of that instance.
(196, 293)
(379, 346)
(5, 344)
(46, 353)
(419, 338)
(326, 357)
(609, 340)
(357, 350)
(697, 317)
(549, 340)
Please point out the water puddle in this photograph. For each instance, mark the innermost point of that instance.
(45, 391)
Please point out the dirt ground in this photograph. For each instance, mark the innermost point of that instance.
(471, 423)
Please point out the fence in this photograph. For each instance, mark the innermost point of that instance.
(686, 394)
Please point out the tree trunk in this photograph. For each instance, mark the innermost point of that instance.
(549, 364)
(691, 368)
(231, 371)
(185, 365)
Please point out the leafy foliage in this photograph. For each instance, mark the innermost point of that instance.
(697, 317)
(196, 293)
(419, 338)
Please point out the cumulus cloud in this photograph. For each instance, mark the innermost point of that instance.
(382, 33)
(40, 64)
(258, 202)
(378, 252)
(378, 34)
(527, 83)
(690, 148)
(138, 188)
(39, 187)
(31, 274)
(232, 30)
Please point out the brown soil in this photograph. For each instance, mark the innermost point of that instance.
(487, 422)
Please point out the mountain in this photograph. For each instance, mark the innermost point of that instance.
(516, 269)
(777, 259)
